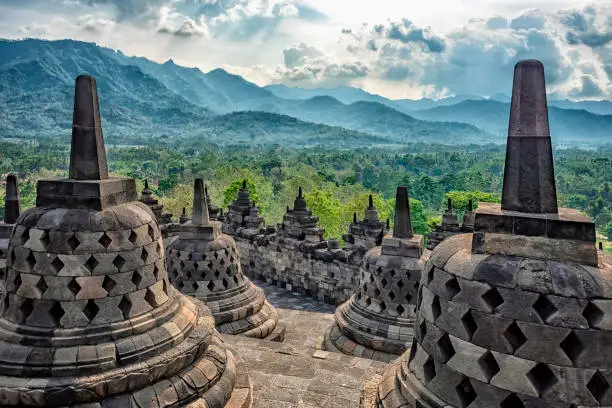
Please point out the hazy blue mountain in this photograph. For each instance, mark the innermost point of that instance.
(566, 125)
(598, 107)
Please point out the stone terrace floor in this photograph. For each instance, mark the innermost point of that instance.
(295, 373)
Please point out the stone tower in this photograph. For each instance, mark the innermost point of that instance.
(517, 313)
(366, 234)
(203, 262)
(12, 209)
(299, 226)
(243, 216)
(468, 218)
(89, 318)
(448, 228)
(378, 321)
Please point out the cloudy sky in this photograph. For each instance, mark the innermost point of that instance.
(397, 48)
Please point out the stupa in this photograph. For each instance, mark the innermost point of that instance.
(89, 318)
(366, 234)
(468, 218)
(12, 209)
(448, 228)
(204, 263)
(516, 314)
(213, 210)
(243, 217)
(299, 226)
(378, 321)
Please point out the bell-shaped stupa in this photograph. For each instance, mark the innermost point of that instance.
(519, 313)
(12, 209)
(89, 318)
(378, 321)
(204, 263)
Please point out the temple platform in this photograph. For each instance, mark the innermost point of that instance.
(297, 373)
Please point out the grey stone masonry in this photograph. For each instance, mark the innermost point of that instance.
(367, 234)
(243, 214)
(378, 321)
(167, 226)
(448, 228)
(12, 209)
(205, 263)
(299, 225)
(517, 313)
(89, 318)
(468, 219)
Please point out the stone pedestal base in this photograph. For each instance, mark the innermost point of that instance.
(360, 333)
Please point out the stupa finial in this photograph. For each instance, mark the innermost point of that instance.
(402, 226)
(529, 176)
(200, 207)
(87, 153)
(12, 206)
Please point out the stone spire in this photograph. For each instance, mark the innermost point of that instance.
(529, 182)
(402, 226)
(371, 213)
(12, 206)
(199, 215)
(87, 154)
(243, 216)
(449, 205)
(300, 203)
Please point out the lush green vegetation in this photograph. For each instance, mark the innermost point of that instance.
(336, 182)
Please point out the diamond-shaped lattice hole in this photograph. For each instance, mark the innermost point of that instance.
(225, 283)
(452, 287)
(73, 242)
(383, 282)
(56, 312)
(376, 292)
(133, 237)
(465, 392)
(136, 278)
(368, 302)
(430, 275)
(488, 365)
(408, 275)
(210, 265)
(469, 324)
(210, 286)
(400, 309)
(125, 306)
(429, 370)
(45, 239)
(195, 286)
(31, 260)
(57, 264)
(572, 347)
(74, 286)
(144, 255)
(493, 298)
(222, 261)
(512, 401)
(383, 307)
(515, 337)
(447, 351)
(217, 273)
(408, 297)
(379, 270)
(598, 386)
(189, 275)
(423, 330)
(105, 241)
(542, 378)
(436, 309)
(91, 310)
(392, 272)
(592, 314)
(119, 262)
(236, 279)
(26, 309)
(216, 255)
(156, 272)
(17, 282)
(108, 284)
(151, 233)
(91, 264)
(544, 308)
(391, 295)
(150, 298)
(181, 285)
(41, 285)
(25, 235)
(400, 284)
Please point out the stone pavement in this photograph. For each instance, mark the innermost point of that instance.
(295, 373)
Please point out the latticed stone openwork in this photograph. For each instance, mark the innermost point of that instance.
(89, 317)
(517, 313)
(205, 263)
(377, 322)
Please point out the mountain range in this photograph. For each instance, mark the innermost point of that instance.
(142, 99)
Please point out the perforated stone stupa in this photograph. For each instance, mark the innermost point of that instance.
(12, 209)
(89, 318)
(243, 217)
(203, 262)
(377, 322)
(517, 314)
(366, 234)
